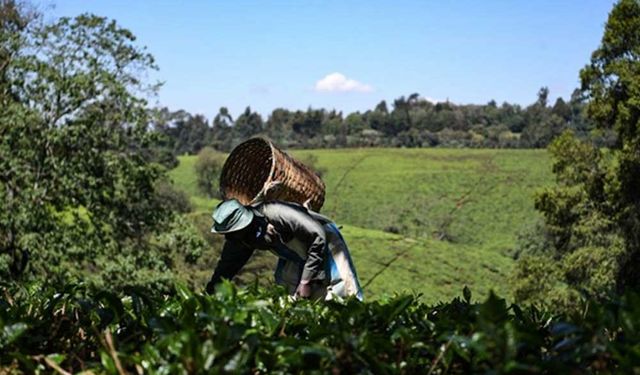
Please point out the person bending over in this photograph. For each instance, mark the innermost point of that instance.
(313, 259)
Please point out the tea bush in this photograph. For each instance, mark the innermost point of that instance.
(256, 330)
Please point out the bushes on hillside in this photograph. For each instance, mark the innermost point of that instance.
(172, 198)
(265, 331)
(208, 168)
(311, 161)
(578, 250)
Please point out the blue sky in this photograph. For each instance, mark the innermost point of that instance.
(349, 55)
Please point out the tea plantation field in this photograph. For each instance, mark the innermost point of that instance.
(263, 331)
(423, 220)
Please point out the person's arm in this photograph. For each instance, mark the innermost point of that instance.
(234, 256)
(314, 265)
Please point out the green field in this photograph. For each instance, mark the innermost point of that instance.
(424, 220)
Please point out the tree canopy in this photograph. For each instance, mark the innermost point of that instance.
(411, 122)
(592, 214)
(77, 190)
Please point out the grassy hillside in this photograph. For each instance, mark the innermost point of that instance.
(429, 220)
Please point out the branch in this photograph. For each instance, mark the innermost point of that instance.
(49, 362)
(112, 352)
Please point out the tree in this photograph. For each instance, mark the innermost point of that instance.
(579, 244)
(562, 110)
(223, 118)
(593, 212)
(378, 120)
(194, 134)
(14, 22)
(543, 130)
(307, 125)
(248, 124)
(161, 151)
(222, 131)
(543, 97)
(76, 189)
(541, 125)
(355, 123)
(382, 107)
(400, 120)
(612, 83)
(208, 168)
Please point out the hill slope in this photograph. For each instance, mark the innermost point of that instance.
(454, 214)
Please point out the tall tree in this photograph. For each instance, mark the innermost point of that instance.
(278, 126)
(592, 214)
(248, 124)
(223, 118)
(612, 83)
(561, 109)
(221, 132)
(76, 189)
(14, 21)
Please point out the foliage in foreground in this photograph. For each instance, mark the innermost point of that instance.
(260, 331)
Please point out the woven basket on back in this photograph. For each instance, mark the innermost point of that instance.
(253, 164)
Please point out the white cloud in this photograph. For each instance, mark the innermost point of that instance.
(338, 82)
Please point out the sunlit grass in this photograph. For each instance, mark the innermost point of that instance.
(184, 177)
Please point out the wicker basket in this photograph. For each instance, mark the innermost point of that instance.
(253, 164)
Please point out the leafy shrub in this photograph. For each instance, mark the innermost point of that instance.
(311, 161)
(208, 167)
(579, 241)
(533, 239)
(265, 331)
(172, 197)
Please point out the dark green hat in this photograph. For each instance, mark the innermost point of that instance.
(231, 216)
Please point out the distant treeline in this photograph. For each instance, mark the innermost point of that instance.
(409, 122)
